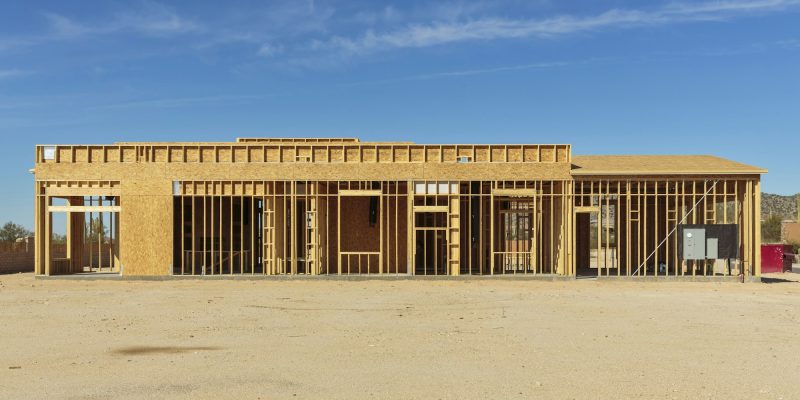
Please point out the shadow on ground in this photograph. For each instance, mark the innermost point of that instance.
(141, 350)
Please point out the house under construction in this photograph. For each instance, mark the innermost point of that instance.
(340, 206)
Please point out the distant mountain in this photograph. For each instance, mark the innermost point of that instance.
(783, 206)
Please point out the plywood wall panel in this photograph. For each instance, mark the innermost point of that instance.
(146, 234)
(302, 171)
(357, 234)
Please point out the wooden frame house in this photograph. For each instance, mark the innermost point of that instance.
(340, 206)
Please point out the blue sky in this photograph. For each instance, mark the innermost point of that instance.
(609, 77)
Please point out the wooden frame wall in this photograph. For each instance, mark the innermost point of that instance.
(462, 239)
(482, 209)
(295, 227)
(642, 216)
(83, 202)
(290, 227)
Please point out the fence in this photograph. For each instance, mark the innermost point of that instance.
(17, 257)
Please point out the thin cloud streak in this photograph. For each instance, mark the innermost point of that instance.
(151, 19)
(483, 29)
(12, 43)
(730, 6)
(179, 101)
(463, 73)
(301, 34)
(13, 73)
(470, 72)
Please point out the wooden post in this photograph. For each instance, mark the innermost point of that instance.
(205, 230)
(294, 227)
(380, 233)
(100, 235)
(212, 233)
(339, 233)
(491, 232)
(221, 246)
(411, 233)
(48, 223)
(757, 230)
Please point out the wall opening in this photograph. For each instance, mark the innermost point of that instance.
(81, 235)
(216, 235)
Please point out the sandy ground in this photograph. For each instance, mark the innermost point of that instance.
(479, 338)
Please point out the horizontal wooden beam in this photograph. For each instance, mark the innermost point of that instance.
(80, 192)
(514, 192)
(430, 209)
(354, 192)
(84, 208)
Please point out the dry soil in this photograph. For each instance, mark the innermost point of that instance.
(473, 338)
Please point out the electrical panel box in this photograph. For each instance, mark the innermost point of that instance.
(694, 244)
(712, 248)
(708, 241)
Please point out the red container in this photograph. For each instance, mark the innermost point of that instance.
(776, 258)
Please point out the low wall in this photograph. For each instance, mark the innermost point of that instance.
(16, 257)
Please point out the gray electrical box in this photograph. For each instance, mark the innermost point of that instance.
(708, 242)
(712, 248)
(694, 244)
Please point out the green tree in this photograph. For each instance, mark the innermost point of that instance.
(771, 229)
(59, 239)
(94, 229)
(11, 232)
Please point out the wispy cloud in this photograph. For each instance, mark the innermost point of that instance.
(270, 50)
(11, 43)
(150, 18)
(789, 43)
(493, 28)
(315, 35)
(468, 72)
(181, 101)
(267, 30)
(13, 73)
(729, 6)
(454, 74)
(388, 14)
(155, 18)
(65, 27)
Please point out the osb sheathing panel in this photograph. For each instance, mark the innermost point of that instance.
(145, 228)
(304, 171)
(146, 187)
(296, 171)
(496, 171)
(73, 172)
(357, 234)
(106, 172)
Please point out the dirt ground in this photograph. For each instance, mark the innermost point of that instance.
(473, 338)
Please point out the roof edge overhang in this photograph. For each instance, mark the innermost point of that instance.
(665, 173)
(660, 165)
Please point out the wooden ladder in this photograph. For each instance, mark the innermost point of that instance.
(454, 236)
(268, 255)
